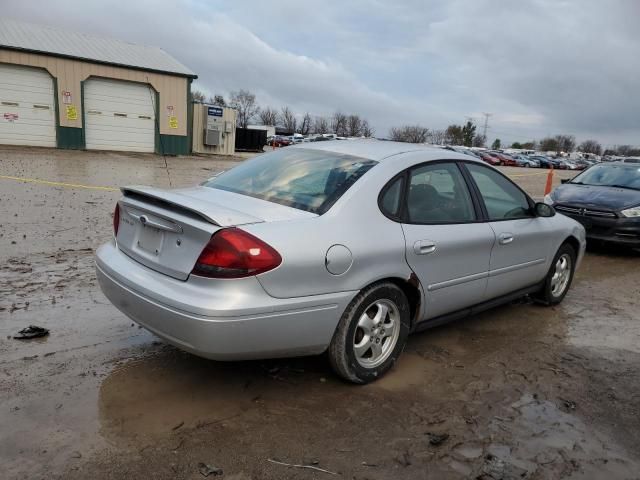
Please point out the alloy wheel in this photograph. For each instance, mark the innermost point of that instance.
(376, 333)
(561, 275)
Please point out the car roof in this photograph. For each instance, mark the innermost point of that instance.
(380, 150)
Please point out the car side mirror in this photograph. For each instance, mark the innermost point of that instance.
(565, 180)
(544, 210)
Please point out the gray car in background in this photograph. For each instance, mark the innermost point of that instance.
(344, 247)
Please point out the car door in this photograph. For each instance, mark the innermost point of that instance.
(447, 246)
(523, 240)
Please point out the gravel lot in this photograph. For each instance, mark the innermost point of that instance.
(521, 391)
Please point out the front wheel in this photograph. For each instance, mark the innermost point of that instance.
(560, 276)
(371, 334)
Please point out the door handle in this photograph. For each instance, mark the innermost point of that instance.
(423, 247)
(505, 238)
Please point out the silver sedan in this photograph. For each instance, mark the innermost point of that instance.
(344, 247)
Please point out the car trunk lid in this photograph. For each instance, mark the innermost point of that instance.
(166, 230)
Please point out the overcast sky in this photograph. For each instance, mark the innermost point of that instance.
(541, 67)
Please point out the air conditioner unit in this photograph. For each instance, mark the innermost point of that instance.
(212, 137)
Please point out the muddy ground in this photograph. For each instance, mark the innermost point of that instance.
(522, 391)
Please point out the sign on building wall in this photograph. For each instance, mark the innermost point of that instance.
(66, 97)
(214, 111)
(72, 113)
(173, 122)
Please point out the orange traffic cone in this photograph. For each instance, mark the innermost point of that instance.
(549, 186)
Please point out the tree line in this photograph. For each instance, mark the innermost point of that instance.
(465, 135)
(452, 135)
(342, 124)
(352, 125)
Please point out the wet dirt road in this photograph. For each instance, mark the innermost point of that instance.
(522, 391)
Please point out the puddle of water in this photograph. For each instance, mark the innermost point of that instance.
(410, 370)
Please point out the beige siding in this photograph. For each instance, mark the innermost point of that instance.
(229, 146)
(69, 73)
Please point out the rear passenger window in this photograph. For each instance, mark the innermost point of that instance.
(390, 202)
(501, 197)
(438, 194)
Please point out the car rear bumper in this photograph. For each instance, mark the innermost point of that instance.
(218, 319)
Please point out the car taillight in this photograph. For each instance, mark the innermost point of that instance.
(234, 253)
(116, 220)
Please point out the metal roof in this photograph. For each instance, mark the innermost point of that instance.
(52, 41)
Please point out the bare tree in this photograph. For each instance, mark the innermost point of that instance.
(623, 150)
(305, 126)
(409, 133)
(245, 103)
(566, 143)
(268, 116)
(479, 141)
(288, 120)
(590, 146)
(549, 144)
(321, 125)
(218, 100)
(354, 126)
(454, 135)
(437, 137)
(197, 96)
(339, 124)
(367, 130)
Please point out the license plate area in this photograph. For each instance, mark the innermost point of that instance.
(150, 240)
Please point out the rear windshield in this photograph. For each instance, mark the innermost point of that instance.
(620, 175)
(310, 180)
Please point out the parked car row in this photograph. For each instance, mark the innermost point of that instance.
(496, 158)
(286, 140)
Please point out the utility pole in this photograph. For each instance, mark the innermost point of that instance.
(486, 124)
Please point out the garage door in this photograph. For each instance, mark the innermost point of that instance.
(27, 109)
(119, 116)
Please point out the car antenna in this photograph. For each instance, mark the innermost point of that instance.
(157, 125)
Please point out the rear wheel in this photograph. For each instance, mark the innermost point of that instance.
(371, 334)
(560, 276)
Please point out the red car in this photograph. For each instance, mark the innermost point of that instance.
(279, 141)
(489, 158)
(505, 159)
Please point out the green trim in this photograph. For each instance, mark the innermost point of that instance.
(82, 104)
(174, 145)
(56, 107)
(189, 116)
(99, 62)
(158, 143)
(70, 138)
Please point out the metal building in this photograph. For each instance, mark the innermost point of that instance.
(214, 129)
(78, 91)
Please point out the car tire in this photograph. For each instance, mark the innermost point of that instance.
(369, 339)
(560, 275)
